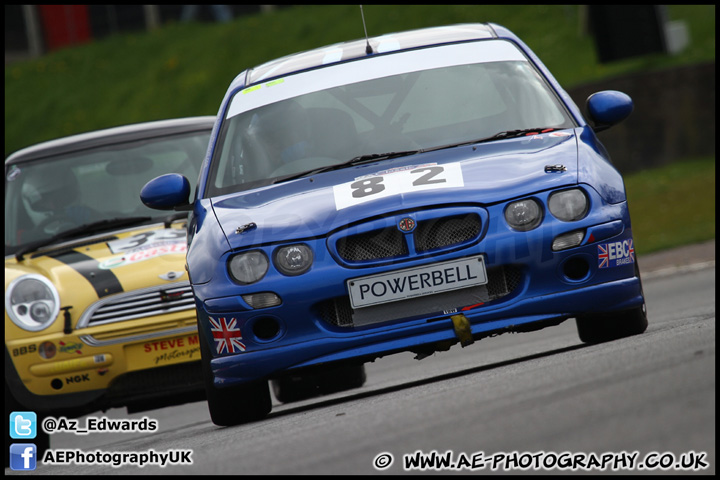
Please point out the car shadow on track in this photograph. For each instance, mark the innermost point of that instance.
(320, 402)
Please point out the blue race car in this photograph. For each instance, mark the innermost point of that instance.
(400, 193)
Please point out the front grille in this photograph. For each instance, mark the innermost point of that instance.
(502, 281)
(432, 235)
(446, 231)
(378, 244)
(138, 304)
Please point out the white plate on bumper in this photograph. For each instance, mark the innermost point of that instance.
(417, 281)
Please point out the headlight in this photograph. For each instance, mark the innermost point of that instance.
(568, 205)
(293, 259)
(248, 267)
(32, 302)
(524, 215)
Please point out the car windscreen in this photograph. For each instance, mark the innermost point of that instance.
(437, 96)
(44, 198)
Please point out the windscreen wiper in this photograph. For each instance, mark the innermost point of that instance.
(80, 231)
(497, 136)
(521, 132)
(359, 160)
(384, 156)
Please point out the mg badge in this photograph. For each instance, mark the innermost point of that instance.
(407, 224)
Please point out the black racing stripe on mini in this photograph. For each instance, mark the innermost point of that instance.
(103, 281)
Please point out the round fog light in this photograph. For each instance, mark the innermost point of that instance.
(568, 205)
(248, 267)
(293, 259)
(523, 215)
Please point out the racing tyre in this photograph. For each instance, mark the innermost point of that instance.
(233, 405)
(296, 388)
(41, 440)
(598, 328)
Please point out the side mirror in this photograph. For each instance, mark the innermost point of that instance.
(608, 108)
(167, 192)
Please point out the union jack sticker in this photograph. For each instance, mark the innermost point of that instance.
(603, 259)
(227, 335)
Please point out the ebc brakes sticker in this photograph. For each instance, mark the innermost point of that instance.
(103, 281)
(373, 187)
(616, 254)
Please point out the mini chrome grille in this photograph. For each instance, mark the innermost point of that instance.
(445, 232)
(502, 281)
(378, 244)
(140, 303)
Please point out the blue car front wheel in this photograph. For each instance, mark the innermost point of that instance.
(237, 404)
(598, 328)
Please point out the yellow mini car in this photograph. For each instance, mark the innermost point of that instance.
(98, 307)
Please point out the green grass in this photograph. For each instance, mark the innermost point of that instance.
(184, 69)
(673, 205)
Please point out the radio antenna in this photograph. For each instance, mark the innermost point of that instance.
(368, 48)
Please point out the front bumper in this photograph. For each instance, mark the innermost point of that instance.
(524, 315)
(82, 377)
(598, 275)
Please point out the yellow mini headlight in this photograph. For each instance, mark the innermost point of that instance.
(32, 302)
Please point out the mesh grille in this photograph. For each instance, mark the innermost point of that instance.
(444, 232)
(144, 303)
(385, 243)
(502, 281)
(432, 234)
(336, 312)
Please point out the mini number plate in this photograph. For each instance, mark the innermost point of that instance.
(416, 281)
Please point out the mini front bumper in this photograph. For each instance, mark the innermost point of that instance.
(82, 378)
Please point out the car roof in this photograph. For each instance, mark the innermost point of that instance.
(136, 131)
(355, 49)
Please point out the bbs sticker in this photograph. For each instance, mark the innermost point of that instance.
(373, 187)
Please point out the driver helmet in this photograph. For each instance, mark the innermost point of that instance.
(49, 188)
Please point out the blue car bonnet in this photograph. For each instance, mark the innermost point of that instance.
(307, 207)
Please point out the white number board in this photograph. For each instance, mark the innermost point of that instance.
(416, 179)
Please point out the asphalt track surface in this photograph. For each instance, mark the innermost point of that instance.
(530, 403)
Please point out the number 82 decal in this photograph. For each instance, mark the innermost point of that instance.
(414, 179)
